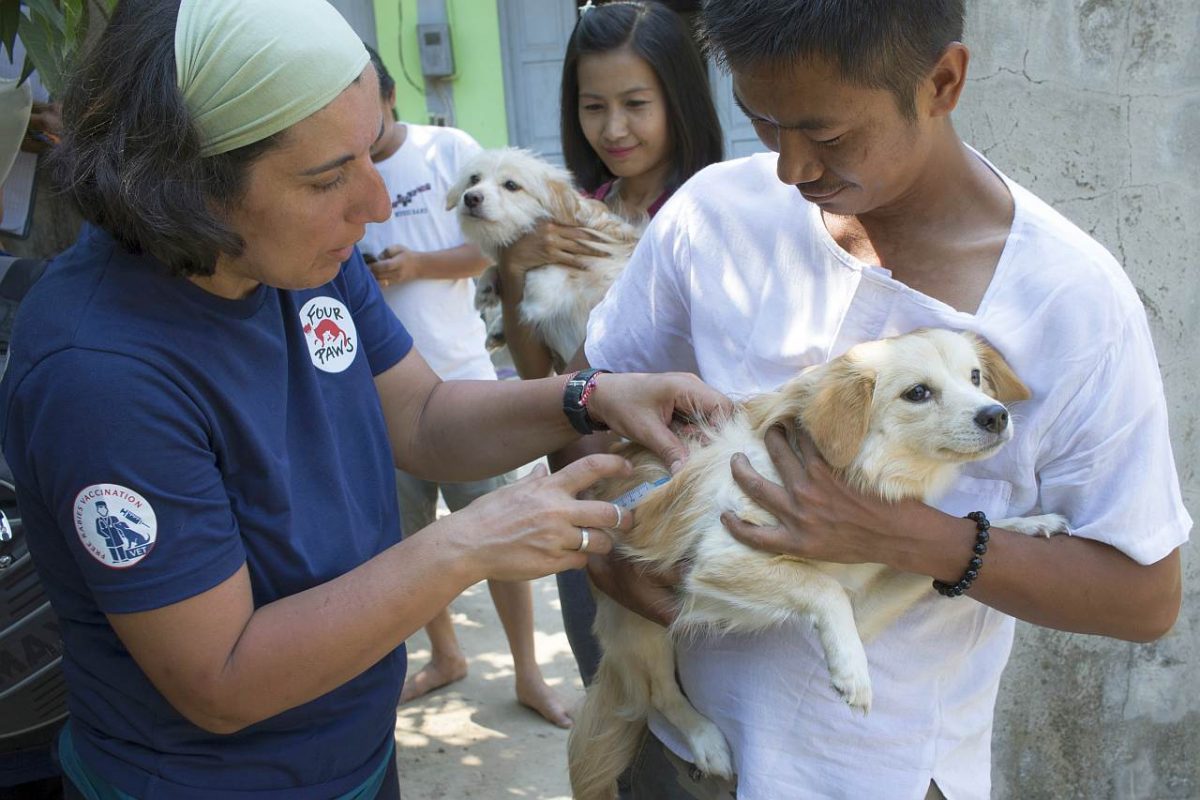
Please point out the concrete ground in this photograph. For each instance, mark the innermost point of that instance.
(472, 739)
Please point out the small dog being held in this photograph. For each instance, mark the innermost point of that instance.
(502, 195)
(895, 418)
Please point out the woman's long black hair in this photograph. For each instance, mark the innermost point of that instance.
(658, 36)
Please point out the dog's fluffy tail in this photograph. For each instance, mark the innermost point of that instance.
(606, 733)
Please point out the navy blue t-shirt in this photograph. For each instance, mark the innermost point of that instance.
(160, 437)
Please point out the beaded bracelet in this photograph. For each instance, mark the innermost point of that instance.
(981, 539)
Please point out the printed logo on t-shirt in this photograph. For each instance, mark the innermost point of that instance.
(330, 333)
(400, 203)
(116, 525)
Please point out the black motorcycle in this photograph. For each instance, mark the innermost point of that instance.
(33, 694)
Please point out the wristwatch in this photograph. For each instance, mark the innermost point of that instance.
(575, 397)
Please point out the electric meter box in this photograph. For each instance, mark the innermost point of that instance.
(437, 59)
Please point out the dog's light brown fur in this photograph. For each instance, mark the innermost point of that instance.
(849, 409)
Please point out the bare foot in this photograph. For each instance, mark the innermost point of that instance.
(434, 675)
(533, 693)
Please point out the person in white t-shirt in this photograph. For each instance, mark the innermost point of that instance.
(872, 218)
(425, 268)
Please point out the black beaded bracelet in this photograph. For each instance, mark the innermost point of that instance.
(982, 527)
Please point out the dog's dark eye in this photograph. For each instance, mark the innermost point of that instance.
(512, 185)
(474, 179)
(975, 377)
(918, 394)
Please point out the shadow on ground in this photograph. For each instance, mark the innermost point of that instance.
(472, 739)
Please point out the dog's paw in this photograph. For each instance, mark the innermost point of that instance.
(851, 679)
(487, 289)
(1045, 525)
(855, 690)
(711, 753)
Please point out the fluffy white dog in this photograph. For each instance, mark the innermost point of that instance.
(894, 417)
(503, 194)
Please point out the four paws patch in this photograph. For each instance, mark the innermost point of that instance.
(330, 333)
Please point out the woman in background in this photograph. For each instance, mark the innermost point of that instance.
(637, 121)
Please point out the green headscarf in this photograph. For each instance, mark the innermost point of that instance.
(251, 68)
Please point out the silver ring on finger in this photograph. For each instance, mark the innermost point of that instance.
(620, 515)
(583, 541)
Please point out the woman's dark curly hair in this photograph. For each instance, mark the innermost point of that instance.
(130, 155)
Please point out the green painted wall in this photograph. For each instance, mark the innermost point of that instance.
(389, 14)
(479, 95)
(478, 87)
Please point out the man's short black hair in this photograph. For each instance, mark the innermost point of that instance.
(882, 44)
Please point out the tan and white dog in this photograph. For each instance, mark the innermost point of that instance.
(500, 196)
(894, 417)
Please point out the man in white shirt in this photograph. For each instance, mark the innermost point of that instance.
(871, 219)
(425, 268)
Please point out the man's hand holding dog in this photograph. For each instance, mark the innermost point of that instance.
(820, 517)
(651, 594)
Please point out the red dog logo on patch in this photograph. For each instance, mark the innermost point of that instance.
(330, 333)
(327, 332)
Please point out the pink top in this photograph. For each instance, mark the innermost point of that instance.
(603, 189)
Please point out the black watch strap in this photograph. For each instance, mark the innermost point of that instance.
(574, 405)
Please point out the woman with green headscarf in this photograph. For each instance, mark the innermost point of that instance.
(205, 401)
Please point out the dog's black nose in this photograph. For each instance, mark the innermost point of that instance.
(993, 418)
(472, 199)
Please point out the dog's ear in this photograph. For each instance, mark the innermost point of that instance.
(456, 191)
(1002, 382)
(562, 201)
(838, 411)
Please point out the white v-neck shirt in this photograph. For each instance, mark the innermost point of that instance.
(738, 280)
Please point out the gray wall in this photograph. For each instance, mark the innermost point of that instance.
(361, 16)
(1095, 106)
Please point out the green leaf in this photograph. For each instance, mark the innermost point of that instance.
(43, 47)
(26, 69)
(53, 31)
(48, 10)
(75, 14)
(10, 19)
